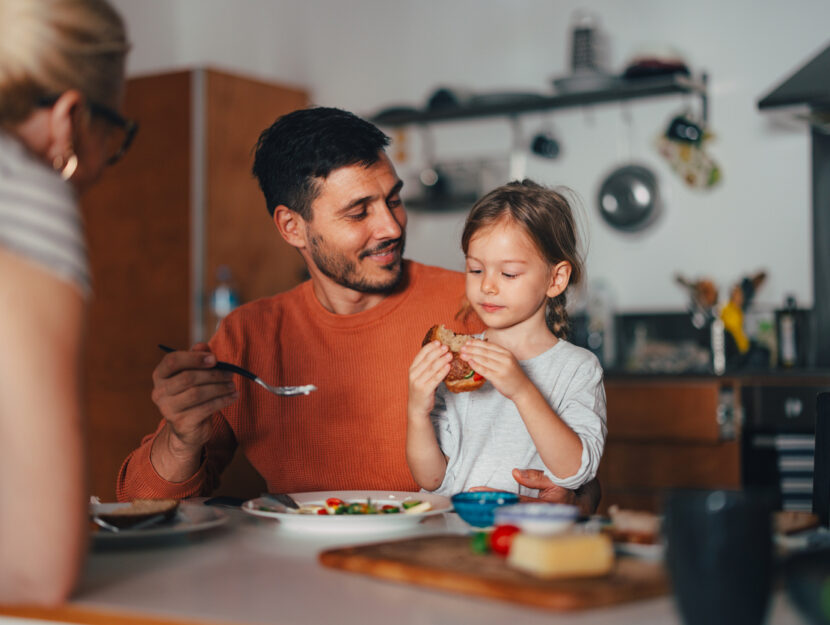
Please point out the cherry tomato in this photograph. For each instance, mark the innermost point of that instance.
(502, 538)
(322, 511)
(477, 377)
(333, 502)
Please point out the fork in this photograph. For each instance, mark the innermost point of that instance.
(276, 390)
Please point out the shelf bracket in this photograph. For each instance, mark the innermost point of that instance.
(704, 98)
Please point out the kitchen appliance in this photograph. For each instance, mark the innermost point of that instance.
(778, 441)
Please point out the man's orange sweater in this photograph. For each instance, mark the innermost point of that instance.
(351, 432)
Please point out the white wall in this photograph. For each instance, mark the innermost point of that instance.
(365, 54)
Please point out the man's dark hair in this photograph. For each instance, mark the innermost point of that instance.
(307, 145)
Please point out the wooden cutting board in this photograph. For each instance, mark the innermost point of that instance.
(448, 563)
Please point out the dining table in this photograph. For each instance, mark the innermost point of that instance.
(249, 570)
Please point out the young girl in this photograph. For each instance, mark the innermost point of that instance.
(543, 405)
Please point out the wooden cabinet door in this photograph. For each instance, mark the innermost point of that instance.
(666, 434)
(239, 232)
(138, 229)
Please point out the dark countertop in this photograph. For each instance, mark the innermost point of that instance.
(787, 377)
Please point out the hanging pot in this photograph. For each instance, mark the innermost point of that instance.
(629, 198)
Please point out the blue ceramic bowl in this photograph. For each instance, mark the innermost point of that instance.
(477, 508)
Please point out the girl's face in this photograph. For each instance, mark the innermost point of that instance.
(508, 281)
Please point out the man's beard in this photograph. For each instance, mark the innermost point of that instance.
(346, 272)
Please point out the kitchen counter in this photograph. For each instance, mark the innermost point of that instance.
(747, 376)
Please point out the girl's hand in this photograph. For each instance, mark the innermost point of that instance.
(498, 365)
(430, 366)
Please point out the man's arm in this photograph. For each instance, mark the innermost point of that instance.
(586, 497)
(138, 479)
(193, 443)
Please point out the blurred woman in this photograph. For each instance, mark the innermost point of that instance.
(61, 84)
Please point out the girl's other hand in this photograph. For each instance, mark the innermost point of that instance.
(430, 366)
(497, 364)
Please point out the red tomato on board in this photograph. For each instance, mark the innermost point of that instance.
(502, 538)
(322, 511)
(333, 502)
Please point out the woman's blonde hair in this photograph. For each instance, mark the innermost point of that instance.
(50, 46)
(546, 216)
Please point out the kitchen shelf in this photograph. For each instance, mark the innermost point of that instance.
(619, 89)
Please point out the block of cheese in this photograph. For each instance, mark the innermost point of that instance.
(566, 555)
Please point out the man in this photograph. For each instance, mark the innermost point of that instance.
(352, 330)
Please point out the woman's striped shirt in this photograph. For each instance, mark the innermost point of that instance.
(39, 216)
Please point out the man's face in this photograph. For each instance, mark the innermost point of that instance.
(357, 229)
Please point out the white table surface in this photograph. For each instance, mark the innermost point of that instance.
(252, 571)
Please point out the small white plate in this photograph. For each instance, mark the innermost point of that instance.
(538, 517)
(190, 517)
(270, 509)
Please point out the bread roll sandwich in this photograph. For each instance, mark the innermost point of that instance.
(461, 377)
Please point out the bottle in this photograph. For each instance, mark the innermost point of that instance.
(788, 334)
(767, 338)
(224, 297)
(717, 338)
(601, 335)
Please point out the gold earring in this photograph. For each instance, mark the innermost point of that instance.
(71, 165)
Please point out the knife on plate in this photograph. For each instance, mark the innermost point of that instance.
(282, 498)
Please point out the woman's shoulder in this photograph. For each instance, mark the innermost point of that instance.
(39, 217)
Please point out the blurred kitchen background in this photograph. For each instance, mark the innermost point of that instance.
(691, 197)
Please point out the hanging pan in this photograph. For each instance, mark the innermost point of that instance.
(629, 198)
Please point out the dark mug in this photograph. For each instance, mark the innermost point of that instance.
(719, 555)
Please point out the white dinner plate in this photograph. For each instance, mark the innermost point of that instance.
(270, 509)
(190, 517)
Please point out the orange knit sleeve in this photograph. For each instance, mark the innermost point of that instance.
(138, 479)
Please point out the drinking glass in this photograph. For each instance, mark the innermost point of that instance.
(719, 555)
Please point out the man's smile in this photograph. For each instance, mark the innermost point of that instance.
(384, 255)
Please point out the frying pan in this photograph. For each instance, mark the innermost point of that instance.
(629, 198)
